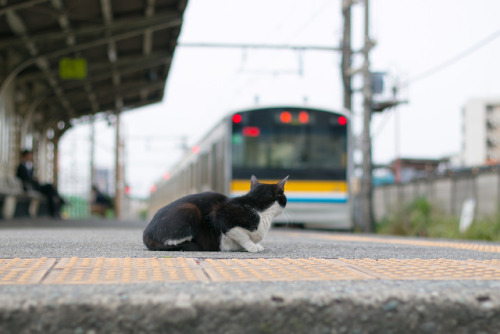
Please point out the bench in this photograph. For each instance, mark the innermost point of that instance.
(15, 202)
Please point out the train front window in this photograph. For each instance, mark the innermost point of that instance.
(319, 145)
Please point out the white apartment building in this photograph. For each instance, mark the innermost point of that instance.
(481, 132)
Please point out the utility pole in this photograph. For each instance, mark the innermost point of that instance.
(366, 180)
(367, 224)
(92, 150)
(347, 54)
(118, 167)
(346, 64)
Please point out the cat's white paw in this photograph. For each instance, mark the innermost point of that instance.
(255, 248)
(229, 245)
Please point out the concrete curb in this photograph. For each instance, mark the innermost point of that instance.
(328, 307)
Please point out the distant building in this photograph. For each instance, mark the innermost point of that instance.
(407, 169)
(481, 132)
(404, 170)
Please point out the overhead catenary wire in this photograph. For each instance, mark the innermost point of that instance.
(437, 68)
(271, 46)
(454, 59)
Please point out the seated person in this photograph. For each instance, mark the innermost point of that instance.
(100, 203)
(25, 172)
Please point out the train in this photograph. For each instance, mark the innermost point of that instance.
(311, 145)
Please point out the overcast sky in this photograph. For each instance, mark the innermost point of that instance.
(414, 38)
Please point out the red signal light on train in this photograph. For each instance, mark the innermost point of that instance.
(304, 117)
(342, 120)
(196, 149)
(285, 117)
(251, 131)
(237, 118)
(152, 189)
(166, 176)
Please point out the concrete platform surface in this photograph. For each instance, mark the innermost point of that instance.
(94, 276)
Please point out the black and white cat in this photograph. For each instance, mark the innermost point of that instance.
(211, 222)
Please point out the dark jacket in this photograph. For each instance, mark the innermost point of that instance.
(25, 174)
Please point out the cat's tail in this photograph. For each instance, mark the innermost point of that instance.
(151, 243)
(155, 245)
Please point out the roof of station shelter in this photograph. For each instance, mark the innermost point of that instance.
(72, 58)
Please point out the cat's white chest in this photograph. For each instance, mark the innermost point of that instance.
(266, 219)
(238, 237)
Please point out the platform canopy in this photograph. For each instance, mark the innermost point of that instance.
(64, 59)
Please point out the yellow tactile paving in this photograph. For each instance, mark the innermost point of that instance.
(280, 270)
(142, 270)
(494, 248)
(24, 271)
(435, 269)
(493, 262)
(124, 270)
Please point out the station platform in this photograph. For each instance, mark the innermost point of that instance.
(93, 276)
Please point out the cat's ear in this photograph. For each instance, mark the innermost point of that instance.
(253, 181)
(281, 184)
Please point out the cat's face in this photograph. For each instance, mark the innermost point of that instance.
(266, 195)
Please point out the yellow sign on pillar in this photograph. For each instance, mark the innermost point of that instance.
(72, 68)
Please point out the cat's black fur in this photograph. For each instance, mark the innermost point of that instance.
(211, 222)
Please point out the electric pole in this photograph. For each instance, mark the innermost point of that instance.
(346, 64)
(92, 151)
(366, 217)
(366, 223)
(119, 184)
(347, 54)
(366, 180)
